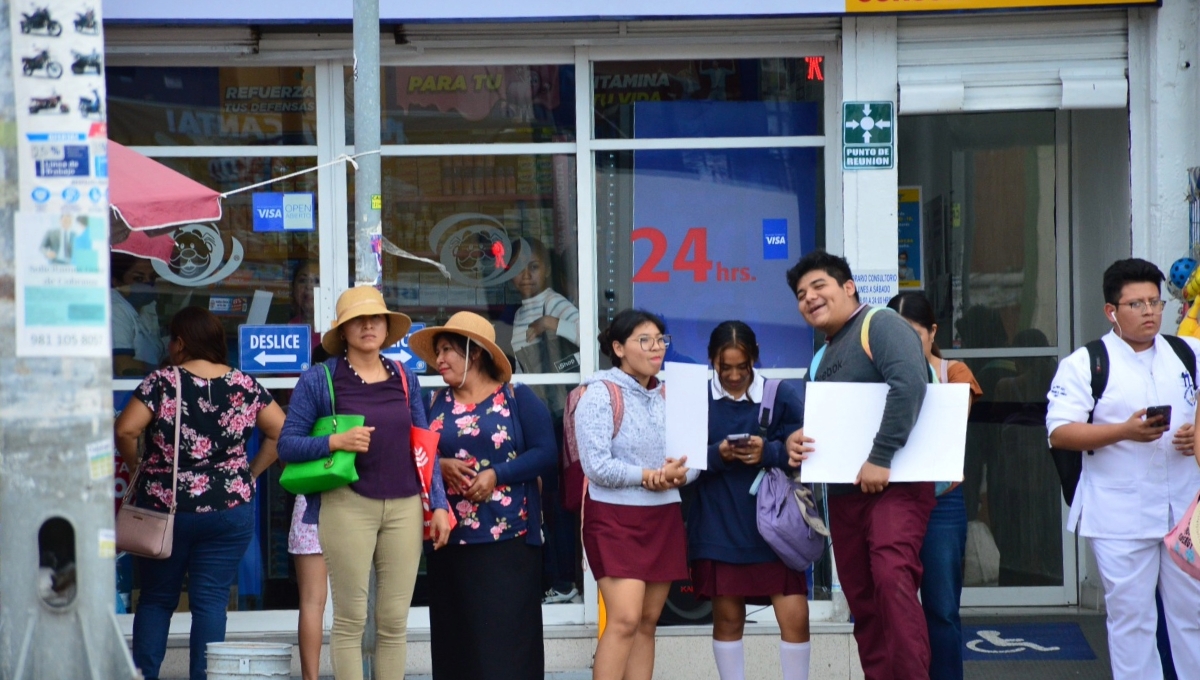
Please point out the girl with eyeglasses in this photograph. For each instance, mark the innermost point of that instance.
(633, 531)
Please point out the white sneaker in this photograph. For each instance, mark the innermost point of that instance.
(554, 596)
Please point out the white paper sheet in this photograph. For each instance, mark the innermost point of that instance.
(843, 418)
(687, 412)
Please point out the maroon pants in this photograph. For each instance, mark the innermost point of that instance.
(877, 548)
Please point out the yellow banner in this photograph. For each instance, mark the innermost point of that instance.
(894, 6)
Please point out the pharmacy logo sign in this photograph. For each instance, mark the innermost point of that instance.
(868, 139)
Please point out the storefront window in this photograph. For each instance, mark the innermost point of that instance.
(212, 106)
(232, 267)
(702, 236)
(504, 228)
(709, 98)
(473, 104)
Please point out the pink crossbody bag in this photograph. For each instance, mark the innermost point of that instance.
(142, 531)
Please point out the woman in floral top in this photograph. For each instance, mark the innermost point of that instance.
(485, 613)
(214, 515)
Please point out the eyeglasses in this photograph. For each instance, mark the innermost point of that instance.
(1155, 306)
(648, 343)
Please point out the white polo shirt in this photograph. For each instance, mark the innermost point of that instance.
(1129, 490)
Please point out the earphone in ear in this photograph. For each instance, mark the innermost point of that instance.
(1113, 316)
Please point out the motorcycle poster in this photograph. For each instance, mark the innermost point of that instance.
(59, 94)
(61, 240)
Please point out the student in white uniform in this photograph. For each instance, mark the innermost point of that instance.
(1142, 476)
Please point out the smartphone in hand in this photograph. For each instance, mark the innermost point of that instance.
(738, 439)
(1156, 411)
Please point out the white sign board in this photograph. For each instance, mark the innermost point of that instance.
(843, 418)
(687, 413)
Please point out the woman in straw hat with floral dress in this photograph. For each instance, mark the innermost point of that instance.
(379, 519)
(485, 596)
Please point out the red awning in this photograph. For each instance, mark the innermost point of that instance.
(146, 194)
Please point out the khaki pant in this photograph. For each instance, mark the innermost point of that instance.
(356, 531)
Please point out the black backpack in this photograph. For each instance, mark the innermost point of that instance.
(1069, 464)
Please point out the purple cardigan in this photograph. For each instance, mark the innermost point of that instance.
(310, 401)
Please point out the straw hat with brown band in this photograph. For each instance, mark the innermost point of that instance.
(363, 301)
(475, 328)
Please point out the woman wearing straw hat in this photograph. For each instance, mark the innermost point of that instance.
(485, 613)
(377, 520)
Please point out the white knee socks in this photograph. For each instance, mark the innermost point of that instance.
(731, 659)
(793, 656)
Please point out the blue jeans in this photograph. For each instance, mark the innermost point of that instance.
(207, 549)
(941, 585)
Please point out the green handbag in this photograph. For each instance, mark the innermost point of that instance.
(324, 474)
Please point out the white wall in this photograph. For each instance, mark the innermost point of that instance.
(1164, 65)
(869, 204)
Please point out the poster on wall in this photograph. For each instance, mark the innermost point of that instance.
(62, 290)
(61, 228)
(909, 258)
(59, 96)
(707, 252)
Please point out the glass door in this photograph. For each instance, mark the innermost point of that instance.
(993, 264)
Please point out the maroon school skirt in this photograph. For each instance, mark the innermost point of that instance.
(755, 582)
(647, 543)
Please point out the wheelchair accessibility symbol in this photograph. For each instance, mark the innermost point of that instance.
(991, 642)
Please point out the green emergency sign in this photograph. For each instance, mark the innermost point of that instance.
(868, 139)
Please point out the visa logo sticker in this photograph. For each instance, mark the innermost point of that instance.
(283, 212)
(775, 245)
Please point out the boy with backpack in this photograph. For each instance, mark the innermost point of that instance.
(877, 528)
(1138, 475)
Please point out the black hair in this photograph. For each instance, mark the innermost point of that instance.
(202, 334)
(915, 307)
(623, 325)
(833, 265)
(1123, 272)
(484, 361)
(120, 264)
(732, 334)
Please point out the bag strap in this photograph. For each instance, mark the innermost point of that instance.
(865, 333)
(1098, 368)
(510, 391)
(178, 421)
(945, 371)
(329, 384)
(767, 406)
(1185, 354)
(618, 405)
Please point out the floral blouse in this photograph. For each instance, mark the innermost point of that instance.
(480, 434)
(218, 418)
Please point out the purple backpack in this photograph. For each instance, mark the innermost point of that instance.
(787, 514)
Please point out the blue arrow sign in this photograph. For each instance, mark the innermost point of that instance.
(274, 349)
(400, 351)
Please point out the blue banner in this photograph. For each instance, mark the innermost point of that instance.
(715, 232)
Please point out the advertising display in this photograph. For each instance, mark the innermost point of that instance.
(910, 264)
(62, 224)
(707, 251)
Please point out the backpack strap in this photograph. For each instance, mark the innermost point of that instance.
(1184, 352)
(1098, 369)
(766, 407)
(865, 334)
(618, 405)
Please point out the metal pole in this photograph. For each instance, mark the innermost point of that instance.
(368, 207)
(368, 203)
(57, 576)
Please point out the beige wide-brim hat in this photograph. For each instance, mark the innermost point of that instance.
(466, 324)
(363, 301)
